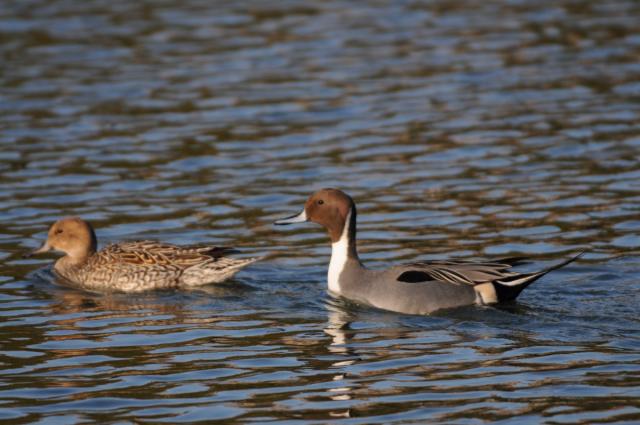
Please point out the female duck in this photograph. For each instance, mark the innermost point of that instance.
(134, 266)
(416, 288)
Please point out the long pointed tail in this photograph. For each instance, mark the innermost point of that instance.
(509, 288)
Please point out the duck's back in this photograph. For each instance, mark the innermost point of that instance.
(145, 265)
(425, 297)
(381, 289)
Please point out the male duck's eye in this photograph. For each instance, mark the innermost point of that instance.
(320, 202)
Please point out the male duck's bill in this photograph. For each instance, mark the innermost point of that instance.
(134, 266)
(416, 288)
(296, 218)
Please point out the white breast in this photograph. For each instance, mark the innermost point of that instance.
(338, 261)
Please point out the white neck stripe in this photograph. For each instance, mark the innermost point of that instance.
(339, 255)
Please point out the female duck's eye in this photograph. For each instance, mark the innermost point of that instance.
(58, 231)
(320, 202)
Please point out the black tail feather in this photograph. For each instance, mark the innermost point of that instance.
(509, 288)
(513, 261)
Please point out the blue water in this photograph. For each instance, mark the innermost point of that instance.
(462, 129)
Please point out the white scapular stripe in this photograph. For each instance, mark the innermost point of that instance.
(517, 282)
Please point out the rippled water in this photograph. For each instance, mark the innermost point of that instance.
(461, 128)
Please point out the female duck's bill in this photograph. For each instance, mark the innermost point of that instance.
(45, 247)
(416, 288)
(134, 266)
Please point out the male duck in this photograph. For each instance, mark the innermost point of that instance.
(134, 266)
(416, 288)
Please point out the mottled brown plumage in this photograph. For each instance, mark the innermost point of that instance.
(135, 266)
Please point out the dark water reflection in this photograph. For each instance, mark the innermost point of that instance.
(462, 129)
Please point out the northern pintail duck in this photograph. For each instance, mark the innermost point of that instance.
(134, 266)
(415, 288)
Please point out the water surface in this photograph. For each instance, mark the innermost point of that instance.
(462, 129)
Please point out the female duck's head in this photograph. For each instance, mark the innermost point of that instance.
(73, 236)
